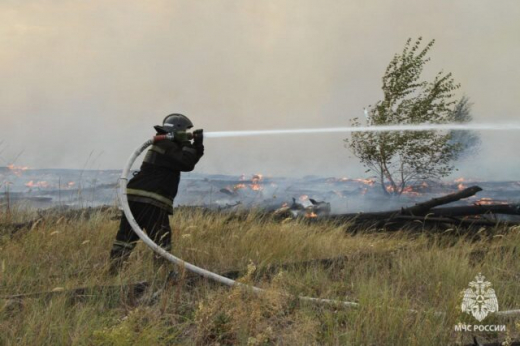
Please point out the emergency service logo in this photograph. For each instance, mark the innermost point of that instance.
(479, 300)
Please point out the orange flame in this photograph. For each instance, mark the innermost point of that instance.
(17, 170)
(409, 190)
(38, 184)
(369, 182)
(489, 201)
(255, 182)
(311, 214)
(239, 186)
(460, 183)
(256, 187)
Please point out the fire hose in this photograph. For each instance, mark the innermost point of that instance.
(122, 195)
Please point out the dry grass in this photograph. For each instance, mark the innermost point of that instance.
(386, 273)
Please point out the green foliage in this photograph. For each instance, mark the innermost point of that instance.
(401, 158)
(468, 140)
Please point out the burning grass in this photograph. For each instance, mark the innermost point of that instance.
(386, 273)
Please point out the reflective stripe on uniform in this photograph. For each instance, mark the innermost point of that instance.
(158, 149)
(151, 201)
(149, 194)
(124, 244)
(150, 157)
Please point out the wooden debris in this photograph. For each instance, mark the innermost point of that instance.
(427, 214)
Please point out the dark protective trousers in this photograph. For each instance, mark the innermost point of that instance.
(152, 219)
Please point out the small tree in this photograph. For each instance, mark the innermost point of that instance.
(468, 140)
(400, 158)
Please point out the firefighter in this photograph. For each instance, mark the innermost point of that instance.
(151, 191)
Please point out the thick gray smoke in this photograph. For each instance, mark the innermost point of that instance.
(89, 79)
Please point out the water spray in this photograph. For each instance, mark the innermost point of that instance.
(376, 128)
(123, 199)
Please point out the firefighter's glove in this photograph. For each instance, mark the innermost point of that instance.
(198, 137)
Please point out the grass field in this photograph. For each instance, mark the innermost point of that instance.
(386, 273)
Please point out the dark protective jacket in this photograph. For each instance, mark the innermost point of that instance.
(158, 180)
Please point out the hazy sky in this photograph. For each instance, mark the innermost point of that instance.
(82, 77)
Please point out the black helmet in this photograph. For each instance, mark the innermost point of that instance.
(174, 122)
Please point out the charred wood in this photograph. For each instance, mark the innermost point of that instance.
(423, 208)
(453, 221)
(508, 209)
(426, 213)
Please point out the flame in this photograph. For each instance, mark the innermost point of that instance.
(17, 170)
(239, 186)
(256, 187)
(285, 205)
(303, 198)
(338, 180)
(311, 214)
(255, 182)
(70, 184)
(39, 184)
(490, 201)
(369, 182)
(460, 183)
(410, 190)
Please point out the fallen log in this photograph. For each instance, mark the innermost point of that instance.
(428, 214)
(418, 209)
(423, 208)
(446, 212)
(504, 209)
(454, 221)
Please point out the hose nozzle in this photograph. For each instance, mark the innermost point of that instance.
(178, 136)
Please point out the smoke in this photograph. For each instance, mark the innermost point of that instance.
(96, 76)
